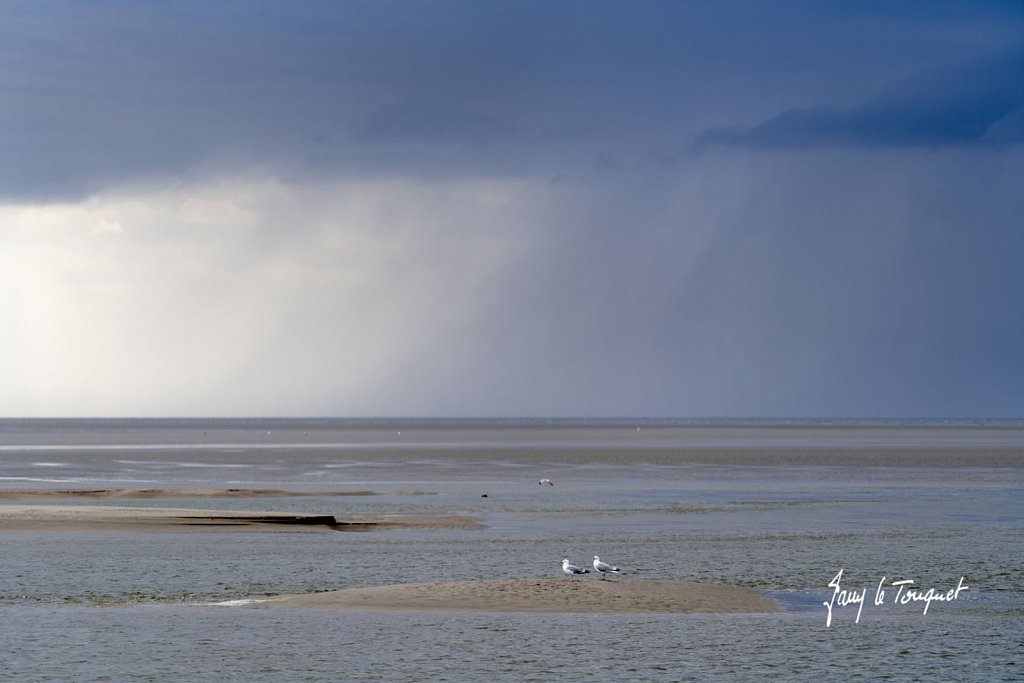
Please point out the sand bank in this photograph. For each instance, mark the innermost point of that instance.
(14, 494)
(100, 517)
(566, 595)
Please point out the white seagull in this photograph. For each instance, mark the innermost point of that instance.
(571, 569)
(603, 568)
(546, 481)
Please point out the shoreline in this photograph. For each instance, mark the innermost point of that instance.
(832, 443)
(768, 454)
(547, 596)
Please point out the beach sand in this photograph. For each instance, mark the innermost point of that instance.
(568, 595)
(105, 517)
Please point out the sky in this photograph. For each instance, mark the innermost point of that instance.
(353, 208)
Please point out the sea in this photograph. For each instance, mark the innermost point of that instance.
(896, 548)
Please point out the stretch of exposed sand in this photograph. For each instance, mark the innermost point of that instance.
(188, 493)
(100, 517)
(566, 595)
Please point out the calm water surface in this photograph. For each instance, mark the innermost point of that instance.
(141, 606)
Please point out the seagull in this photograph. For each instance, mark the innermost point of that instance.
(603, 568)
(571, 569)
(546, 481)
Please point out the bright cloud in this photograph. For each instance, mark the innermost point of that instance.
(245, 293)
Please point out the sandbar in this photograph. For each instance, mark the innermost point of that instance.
(568, 595)
(15, 517)
(191, 493)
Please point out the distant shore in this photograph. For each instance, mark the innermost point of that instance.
(568, 595)
(851, 443)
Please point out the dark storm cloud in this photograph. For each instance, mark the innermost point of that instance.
(104, 92)
(980, 102)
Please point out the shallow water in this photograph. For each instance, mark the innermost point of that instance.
(181, 643)
(138, 606)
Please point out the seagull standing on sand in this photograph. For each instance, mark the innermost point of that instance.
(603, 568)
(571, 569)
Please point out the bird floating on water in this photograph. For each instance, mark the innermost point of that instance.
(604, 568)
(571, 569)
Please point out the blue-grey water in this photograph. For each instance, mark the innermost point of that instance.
(778, 506)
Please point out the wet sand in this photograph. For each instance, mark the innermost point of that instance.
(568, 595)
(10, 494)
(104, 517)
